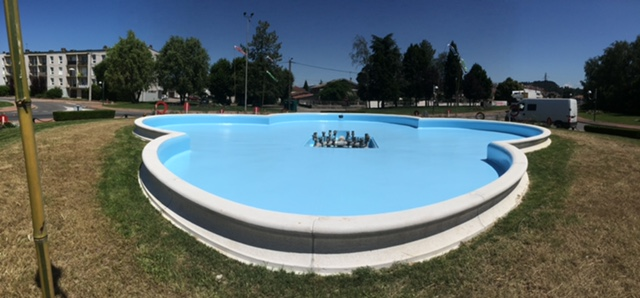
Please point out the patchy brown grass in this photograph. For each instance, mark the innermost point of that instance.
(96, 261)
(600, 255)
(593, 250)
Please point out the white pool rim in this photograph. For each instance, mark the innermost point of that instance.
(336, 244)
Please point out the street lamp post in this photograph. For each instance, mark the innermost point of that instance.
(595, 104)
(290, 81)
(102, 90)
(433, 106)
(246, 59)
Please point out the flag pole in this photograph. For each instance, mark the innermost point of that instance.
(23, 105)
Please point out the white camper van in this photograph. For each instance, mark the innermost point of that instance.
(561, 112)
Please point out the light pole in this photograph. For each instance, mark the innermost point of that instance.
(291, 80)
(433, 105)
(595, 104)
(246, 59)
(102, 90)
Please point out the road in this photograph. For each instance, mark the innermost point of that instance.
(43, 108)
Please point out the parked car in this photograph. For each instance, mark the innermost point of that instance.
(206, 100)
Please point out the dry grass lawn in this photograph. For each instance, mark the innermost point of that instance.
(97, 261)
(595, 252)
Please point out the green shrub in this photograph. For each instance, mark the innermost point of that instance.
(616, 131)
(80, 115)
(5, 90)
(54, 93)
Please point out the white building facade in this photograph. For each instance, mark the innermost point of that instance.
(69, 70)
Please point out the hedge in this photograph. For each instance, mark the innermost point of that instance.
(616, 131)
(80, 115)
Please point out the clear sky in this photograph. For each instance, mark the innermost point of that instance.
(522, 39)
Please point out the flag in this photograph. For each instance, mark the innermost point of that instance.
(239, 49)
(274, 78)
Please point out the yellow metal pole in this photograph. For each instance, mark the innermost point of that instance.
(23, 104)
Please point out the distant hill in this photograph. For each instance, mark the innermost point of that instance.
(551, 89)
(548, 86)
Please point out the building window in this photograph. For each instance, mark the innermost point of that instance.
(60, 59)
(60, 71)
(60, 81)
(51, 59)
(53, 82)
(51, 70)
(93, 58)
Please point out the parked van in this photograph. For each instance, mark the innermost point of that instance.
(561, 112)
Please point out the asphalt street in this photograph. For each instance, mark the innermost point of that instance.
(43, 109)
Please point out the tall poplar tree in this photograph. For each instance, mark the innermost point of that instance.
(129, 68)
(268, 81)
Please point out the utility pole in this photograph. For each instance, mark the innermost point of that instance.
(23, 104)
(290, 81)
(246, 60)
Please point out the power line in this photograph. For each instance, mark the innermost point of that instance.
(324, 68)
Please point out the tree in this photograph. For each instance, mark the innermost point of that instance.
(183, 66)
(364, 80)
(476, 84)
(238, 65)
(267, 80)
(220, 81)
(360, 51)
(615, 78)
(453, 73)
(306, 86)
(380, 78)
(129, 68)
(338, 91)
(504, 89)
(419, 71)
(38, 85)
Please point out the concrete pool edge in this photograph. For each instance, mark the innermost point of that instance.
(328, 245)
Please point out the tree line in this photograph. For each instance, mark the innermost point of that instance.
(614, 79)
(388, 75)
(182, 66)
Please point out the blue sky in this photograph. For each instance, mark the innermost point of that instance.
(522, 39)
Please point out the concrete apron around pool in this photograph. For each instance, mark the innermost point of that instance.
(330, 245)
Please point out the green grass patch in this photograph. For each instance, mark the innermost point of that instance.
(612, 118)
(175, 258)
(4, 104)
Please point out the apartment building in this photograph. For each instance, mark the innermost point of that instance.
(69, 70)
